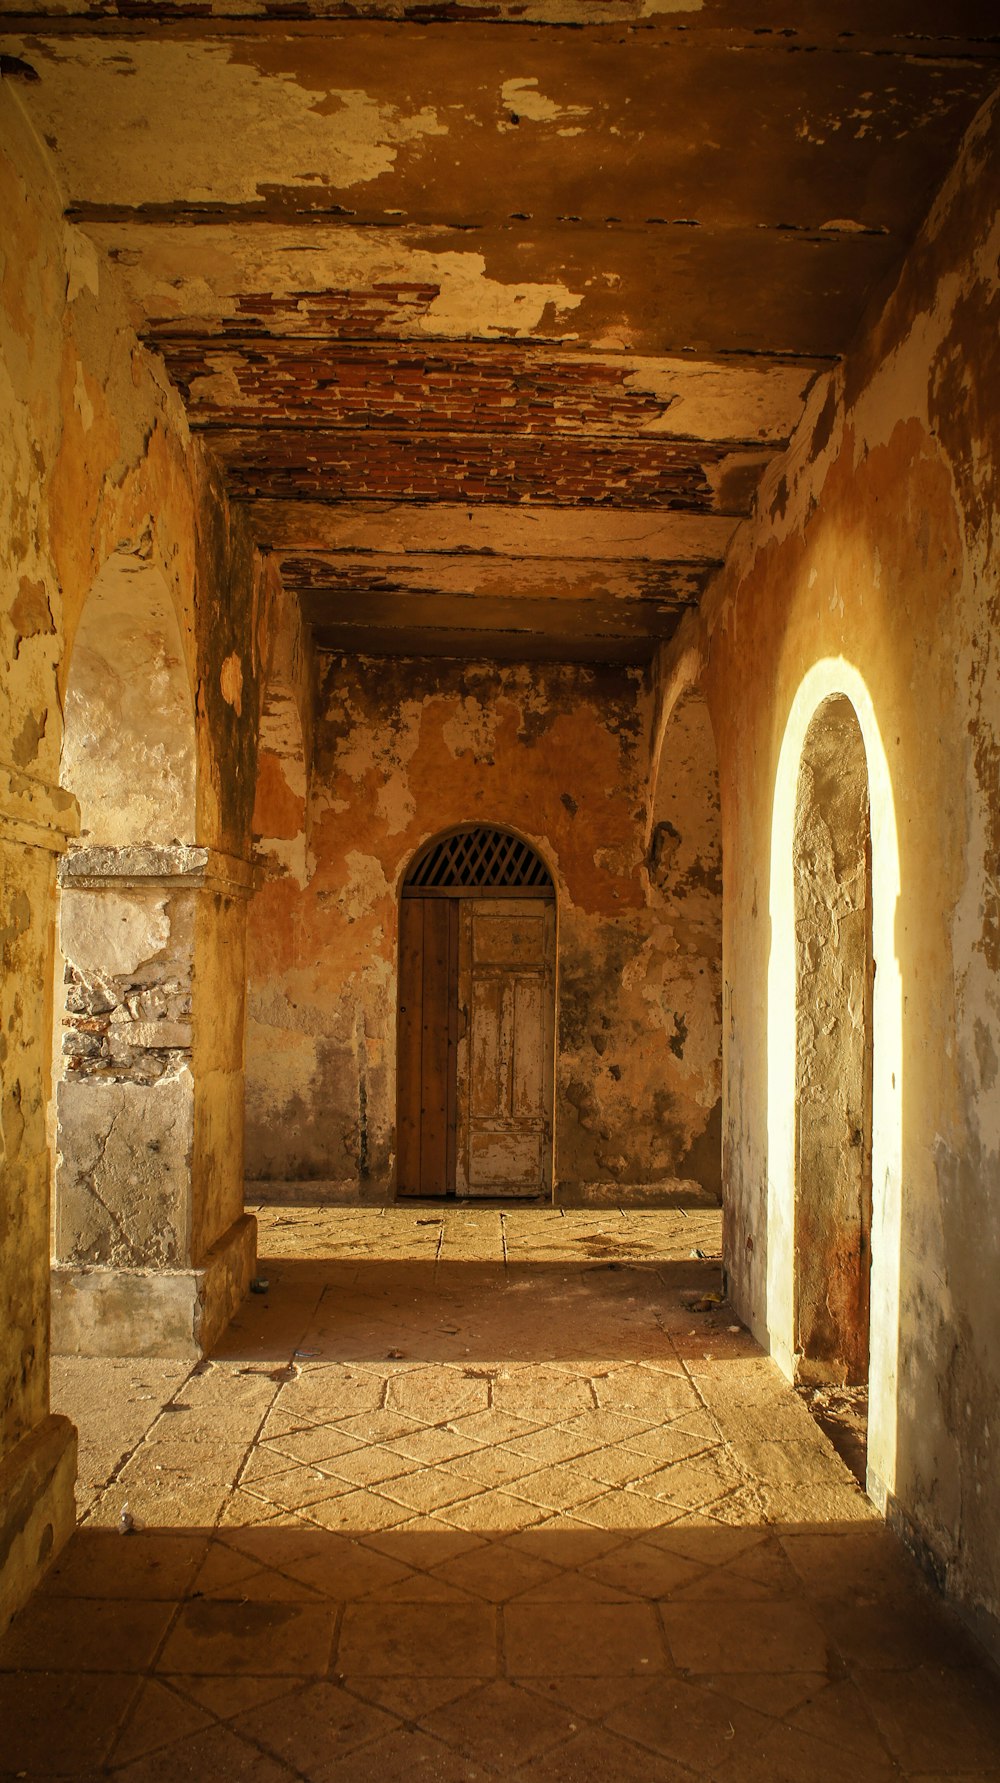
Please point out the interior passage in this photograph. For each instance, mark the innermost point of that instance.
(471, 1493)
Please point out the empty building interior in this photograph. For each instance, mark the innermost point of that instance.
(500, 839)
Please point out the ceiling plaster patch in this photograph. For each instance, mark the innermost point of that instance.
(178, 131)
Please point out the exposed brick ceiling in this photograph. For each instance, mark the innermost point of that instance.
(495, 313)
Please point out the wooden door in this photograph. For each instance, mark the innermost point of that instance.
(504, 1055)
(428, 1031)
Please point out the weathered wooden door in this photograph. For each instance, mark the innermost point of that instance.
(475, 1060)
(504, 1053)
(428, 1031)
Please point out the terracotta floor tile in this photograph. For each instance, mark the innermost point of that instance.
(593, 1754)
(547, 1394)
(418, 1589)
(492, 1467)
(554, 1443)
(400, 1758)
(231, 1695)
(418, 1640)
(491, 1427)
(496, 1571)
(619, 1465)
(146, 1564)
(58, 1720)
(556, 1488)
(746, 1637)
(431, 1446)
(410, 1699)
(646, 1570)
(437, 1394)
(222, 1637)
(500, 1726)
(785, 1755)
(85, 1635)
(541, 1640)
(694, 1726)
(313, 1726)
(159, 1716)
(370, 1466)
(936, 1718)
(316, 1444)
(425, 1489)
(356, 1513)
(691, 1484)
(626, 1511)
(379, 1426)
(215, 1753)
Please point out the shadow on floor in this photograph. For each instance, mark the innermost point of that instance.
(680, 1650)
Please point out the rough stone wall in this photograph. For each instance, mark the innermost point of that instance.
(95, 459)
(876, 543)
(403, 750)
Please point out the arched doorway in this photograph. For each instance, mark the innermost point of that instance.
(833, 700)
(834, 975)
(476, 1018)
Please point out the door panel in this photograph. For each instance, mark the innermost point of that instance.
(411, 991)
(529, 1028)
(505, 1056)
(428, 1033)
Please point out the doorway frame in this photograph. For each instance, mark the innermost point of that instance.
(546, 894)
(829, 676)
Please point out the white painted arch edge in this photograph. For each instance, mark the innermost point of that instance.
(830, 677)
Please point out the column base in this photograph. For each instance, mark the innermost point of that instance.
(164, 1312)
(37, 1509)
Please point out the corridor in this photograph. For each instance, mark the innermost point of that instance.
(470, 1494)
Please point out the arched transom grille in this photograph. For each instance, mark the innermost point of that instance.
(478, 862)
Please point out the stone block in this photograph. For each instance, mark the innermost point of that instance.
(37, 1509)
(123, 1182)
(146, 1312)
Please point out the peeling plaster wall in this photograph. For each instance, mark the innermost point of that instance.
(95, 459)
(404, 749)
(875, 554)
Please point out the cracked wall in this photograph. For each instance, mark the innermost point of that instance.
(403, 750)
(95, 460)
(871, 568)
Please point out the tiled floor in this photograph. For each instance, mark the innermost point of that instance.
(478, 1498)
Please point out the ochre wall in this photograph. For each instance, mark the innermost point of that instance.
(95, 459)
(876, 542)
(403, 750)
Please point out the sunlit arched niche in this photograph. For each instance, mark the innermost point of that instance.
(834, 1047)
(685, 872)
(128, 739)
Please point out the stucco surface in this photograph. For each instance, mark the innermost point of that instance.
(871, 570)
(96, 464)
(404, 750)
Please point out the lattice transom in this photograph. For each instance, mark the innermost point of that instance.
(478, 859)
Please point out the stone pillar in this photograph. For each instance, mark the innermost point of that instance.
(152, 1249)
(37, 1450)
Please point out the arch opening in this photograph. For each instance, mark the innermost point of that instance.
(832, 680)
(834, 975)
(476, 1019)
